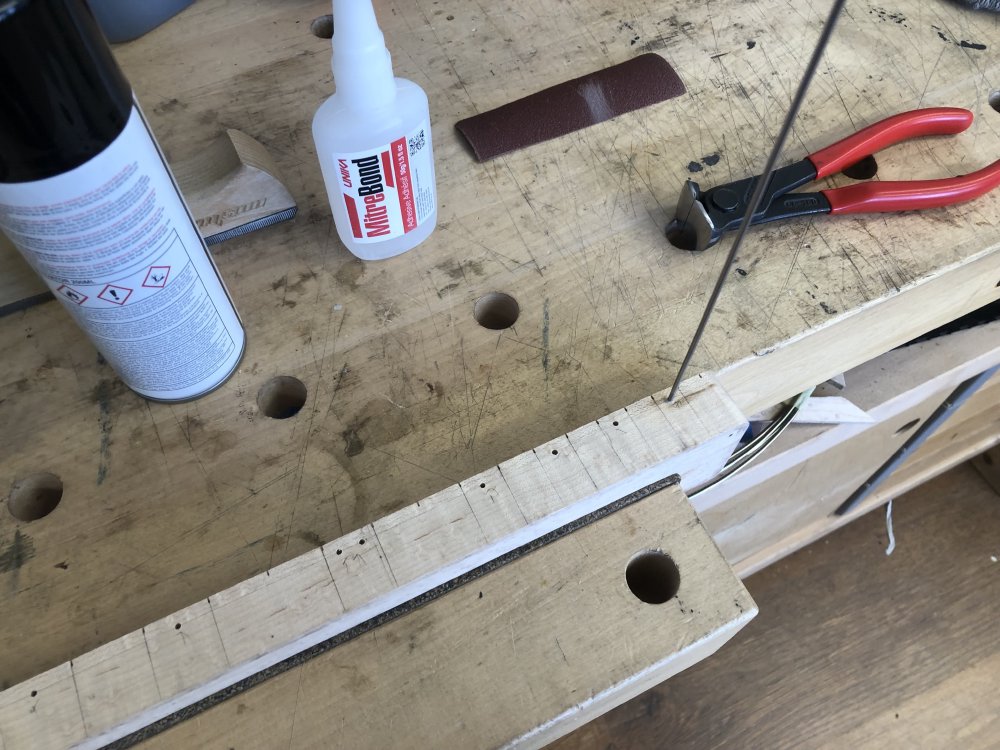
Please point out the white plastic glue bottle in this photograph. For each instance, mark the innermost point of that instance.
(373, 138)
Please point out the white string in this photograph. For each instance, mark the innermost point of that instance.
(888, 527)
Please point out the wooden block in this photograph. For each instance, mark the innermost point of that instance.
(513, 659)
(627, 441)
(359, 568)
(597, 454)
(430, 534)
(114, 682)
(657, 432)
(566, 472)
(42, 713)
(327, 591)
(185, 649)
(530, 486)
(255, 616)
(493, 503)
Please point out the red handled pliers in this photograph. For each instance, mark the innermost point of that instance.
(702, 217)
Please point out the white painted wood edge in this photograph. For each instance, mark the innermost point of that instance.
(831, 410)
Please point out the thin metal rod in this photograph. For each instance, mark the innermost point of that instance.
(759, 188)
(955, 399)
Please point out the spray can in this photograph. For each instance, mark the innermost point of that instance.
(373, 139)
(89, 201)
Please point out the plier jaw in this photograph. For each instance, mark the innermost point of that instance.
(702, 217)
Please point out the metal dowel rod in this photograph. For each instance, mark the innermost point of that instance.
(955, 399)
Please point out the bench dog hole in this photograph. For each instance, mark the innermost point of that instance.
(994, 100)
(322, 27)
(496, 311)
(653, 577)
(35, 496)
(281, 397)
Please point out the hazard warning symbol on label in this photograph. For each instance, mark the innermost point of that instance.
(156, 278)
(115, 294)
(72, 294)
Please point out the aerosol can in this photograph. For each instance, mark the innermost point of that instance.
(88, 199)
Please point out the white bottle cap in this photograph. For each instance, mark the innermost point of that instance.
(362, 67)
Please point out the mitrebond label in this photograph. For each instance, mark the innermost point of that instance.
(388, 191)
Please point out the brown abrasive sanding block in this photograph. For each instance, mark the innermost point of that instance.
(571, 105)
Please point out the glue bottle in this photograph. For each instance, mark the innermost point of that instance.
(373, 139)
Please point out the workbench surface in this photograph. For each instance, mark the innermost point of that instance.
(407, 393)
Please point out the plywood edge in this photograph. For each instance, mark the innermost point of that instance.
(305, 601)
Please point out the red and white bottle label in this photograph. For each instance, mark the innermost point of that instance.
(388, 191)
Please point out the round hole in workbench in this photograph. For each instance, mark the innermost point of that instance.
(682, 235)
(994, 100)
(35, 496)
(908, 426)
(862, 170)
(322, 27)
(281, 397)
(496, 311)
(653, 577)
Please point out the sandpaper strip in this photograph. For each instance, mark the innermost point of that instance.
(572, 105)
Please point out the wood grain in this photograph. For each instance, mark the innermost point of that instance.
(988, 465)
(167, 504)
(189, 655)
(786, 499)
(514, 659)
(851, 648)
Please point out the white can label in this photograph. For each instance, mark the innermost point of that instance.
(115, 243)
(388, 191)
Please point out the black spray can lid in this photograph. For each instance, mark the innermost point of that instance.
(63, 98)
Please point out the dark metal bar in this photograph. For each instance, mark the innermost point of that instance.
(955, 399)
(761, 186)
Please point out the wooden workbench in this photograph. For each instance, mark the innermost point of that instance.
(407, 393)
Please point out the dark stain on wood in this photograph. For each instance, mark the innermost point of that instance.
(350, 273)
(102, 395)
(310, 537)
(353, 444)
(17, 553)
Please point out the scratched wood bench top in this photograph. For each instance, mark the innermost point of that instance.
(407, 394)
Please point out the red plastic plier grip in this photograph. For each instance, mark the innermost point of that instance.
(702, 217)
(871, 197)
